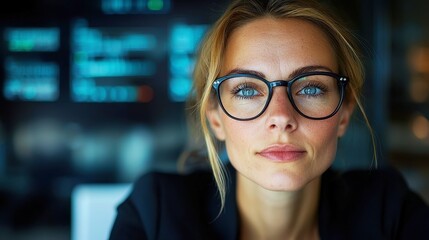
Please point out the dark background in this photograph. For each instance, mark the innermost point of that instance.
(49, 145)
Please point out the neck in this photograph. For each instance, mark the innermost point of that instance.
(266, 214)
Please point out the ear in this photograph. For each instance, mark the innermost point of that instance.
(345, 116)
(213, 116)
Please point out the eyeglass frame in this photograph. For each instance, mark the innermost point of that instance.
(341, 81)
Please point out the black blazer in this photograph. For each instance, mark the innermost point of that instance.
(353, 205)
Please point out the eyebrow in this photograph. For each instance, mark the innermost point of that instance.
(307, 69)
(295, 72)
(245, 71)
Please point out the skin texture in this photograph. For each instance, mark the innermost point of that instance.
(275, 49)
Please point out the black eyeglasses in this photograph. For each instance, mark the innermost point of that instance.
(314, 95)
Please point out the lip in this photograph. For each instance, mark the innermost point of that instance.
(282, 153)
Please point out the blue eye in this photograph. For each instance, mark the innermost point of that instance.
(311, 91)
(247, 92)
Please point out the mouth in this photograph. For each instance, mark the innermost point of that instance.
(282, 153)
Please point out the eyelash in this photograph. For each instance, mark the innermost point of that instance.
(240, 87)
(320, 86)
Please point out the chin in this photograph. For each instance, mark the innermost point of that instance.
(285, 182)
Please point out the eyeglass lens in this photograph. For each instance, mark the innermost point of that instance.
(315, 96)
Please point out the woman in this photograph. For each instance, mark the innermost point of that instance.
(276, 82)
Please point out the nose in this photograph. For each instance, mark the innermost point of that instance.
(281, 116)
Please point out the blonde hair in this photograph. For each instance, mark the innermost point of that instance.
(240, 12)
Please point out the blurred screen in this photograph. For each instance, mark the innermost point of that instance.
(29, 76)
(91, 92)
(114, 64)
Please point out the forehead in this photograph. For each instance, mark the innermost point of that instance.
(283, 44)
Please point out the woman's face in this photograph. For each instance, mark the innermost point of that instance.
(279, 150)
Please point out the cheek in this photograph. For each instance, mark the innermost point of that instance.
(322, 136)
(237, 132)
(239, 138)
(324, 129)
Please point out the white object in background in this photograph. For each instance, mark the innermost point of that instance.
(94, 209)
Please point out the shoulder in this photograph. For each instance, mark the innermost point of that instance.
(157, 188)
(368, 184)
(375, 184)
(378, 178)
(375, 199)
(156, 183)
(161, 204)
(365, 186)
